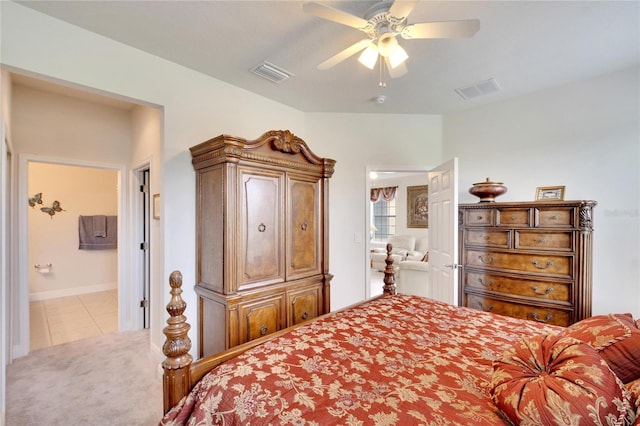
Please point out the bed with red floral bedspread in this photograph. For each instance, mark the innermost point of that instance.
(409, 360)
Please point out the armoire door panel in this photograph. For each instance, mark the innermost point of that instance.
(304, 229)
(210, 225)
(261, 228)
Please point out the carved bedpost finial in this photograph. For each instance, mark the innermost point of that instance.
(389, 276)
(176, 378)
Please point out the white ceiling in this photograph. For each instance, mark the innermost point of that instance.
(525, 45)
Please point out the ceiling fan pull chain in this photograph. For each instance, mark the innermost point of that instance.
(382, 83)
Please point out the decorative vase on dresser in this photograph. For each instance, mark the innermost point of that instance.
(262, 237)
(527, 259)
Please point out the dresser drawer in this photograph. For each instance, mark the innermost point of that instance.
(544, 240)
(535, 313)
(559, 292)
(488, 238)
(513, 217)
(536, 263)
(556, 216)
(478, 217)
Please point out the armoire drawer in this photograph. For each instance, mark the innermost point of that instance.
(555, 265)
(556, 291)
(544, 240)
(531, 312)
(259, 317)
(488, 238)
(304, 303)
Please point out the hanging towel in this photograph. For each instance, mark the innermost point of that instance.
(88, 240)
(100, 226)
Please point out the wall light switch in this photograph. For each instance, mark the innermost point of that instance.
(357, 237)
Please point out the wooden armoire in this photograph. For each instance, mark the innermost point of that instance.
(262, 237)
(530, 260)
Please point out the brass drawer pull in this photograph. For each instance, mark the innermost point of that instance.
(512, 217)
(478, 217)
(554, 217)
(262, 227)
(547, 266)
(481, 281)
(542, 240)
(263, 330)
(486, 238)
(304, 226)
(540, 293)
(548, 318)
(305, 315)
(487, 309)
(488, 260)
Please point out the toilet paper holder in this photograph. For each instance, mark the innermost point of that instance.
(42, 267)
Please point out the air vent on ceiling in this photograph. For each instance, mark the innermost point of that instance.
(478, 89)
(271, 72)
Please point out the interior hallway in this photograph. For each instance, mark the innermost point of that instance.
(66, 319)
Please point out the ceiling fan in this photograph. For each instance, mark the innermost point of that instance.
(382, 23)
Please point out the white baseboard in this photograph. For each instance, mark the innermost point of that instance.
(74, 291)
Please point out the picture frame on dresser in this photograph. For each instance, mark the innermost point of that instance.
(550, 193)
(418, 206)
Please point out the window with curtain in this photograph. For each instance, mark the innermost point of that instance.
(383, 207)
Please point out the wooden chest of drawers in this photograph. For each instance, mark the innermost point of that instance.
(527, 260)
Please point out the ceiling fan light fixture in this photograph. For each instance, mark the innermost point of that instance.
(369, 56)
(397, 57)
(387, 44)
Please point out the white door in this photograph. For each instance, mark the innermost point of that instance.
(443, 232)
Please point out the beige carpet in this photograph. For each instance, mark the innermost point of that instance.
(107, 380)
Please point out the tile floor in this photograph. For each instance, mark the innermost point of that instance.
(62, 320)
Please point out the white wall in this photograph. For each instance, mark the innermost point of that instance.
(50, 124)
(54, 239)
(356, 142)
(585, 136)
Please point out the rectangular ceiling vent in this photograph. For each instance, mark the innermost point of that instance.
(271, 72)
(478, 89)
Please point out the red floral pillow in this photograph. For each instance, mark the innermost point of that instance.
(617, 339)
(550, 379)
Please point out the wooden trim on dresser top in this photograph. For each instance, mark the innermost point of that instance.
(181, 373)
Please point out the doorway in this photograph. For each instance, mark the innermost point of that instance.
(73, 250)
(396, 215)
(78, 127)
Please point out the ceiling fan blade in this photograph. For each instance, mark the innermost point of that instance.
(402, 9)
(398, 71)
(341, 56)
(448, 29)
(335, 15)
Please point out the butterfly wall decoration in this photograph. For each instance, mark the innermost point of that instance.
(55, 207)
(37, 199)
